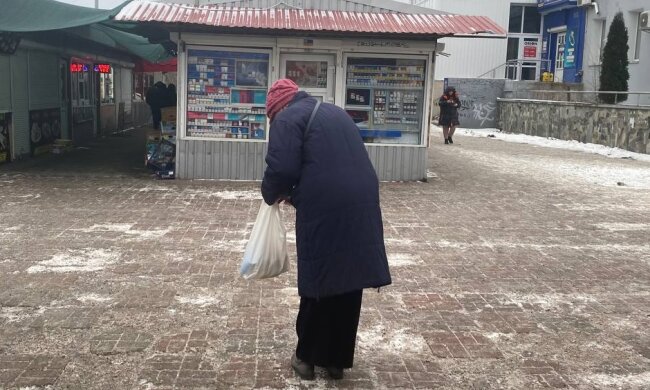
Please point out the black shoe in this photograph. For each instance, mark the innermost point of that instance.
(335, 373)
(446, 141)
(450, 140)
(304, 370)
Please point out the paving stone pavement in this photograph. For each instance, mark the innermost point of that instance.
(506, 276)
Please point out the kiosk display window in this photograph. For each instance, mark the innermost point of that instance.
(226, 93)
(385, 97)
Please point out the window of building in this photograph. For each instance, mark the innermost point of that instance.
(524, 19)
(532, 20)
(385, 98)
(81, 91)
(516, 14)
(637, 41)
(603, 38)
(107, 87)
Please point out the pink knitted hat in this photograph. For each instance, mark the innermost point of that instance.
(280, 94)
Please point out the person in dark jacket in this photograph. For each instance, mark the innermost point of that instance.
(326, 174)
(449, 105)
(156, 99)
(171, 96)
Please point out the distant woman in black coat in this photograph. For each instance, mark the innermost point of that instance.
(326, 174)
(449, 105)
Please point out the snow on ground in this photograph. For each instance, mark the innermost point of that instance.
(85, 260)
(554, 143)
(628, 174)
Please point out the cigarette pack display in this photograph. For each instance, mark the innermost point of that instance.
(393, 90)
(226, 94)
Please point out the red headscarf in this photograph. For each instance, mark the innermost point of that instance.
(281, 93)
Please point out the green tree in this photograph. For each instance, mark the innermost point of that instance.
(614, 72)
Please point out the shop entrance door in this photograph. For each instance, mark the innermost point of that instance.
(314, 73)
(559, 58)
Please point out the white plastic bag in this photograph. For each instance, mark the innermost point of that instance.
(266, 253)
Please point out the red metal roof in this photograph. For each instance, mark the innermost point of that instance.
(309, 20)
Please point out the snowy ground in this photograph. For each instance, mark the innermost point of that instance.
(554, 143)
(514, 266)
(634, 172)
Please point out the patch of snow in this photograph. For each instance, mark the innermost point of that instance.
(239, 195)
(398, 241)
(555, 143)
(510, 244)
(621, 226)
(230, 245)
(547, 301)
(155, 189)
(92, 297)
(629, 381)
(85, 260)
(198, 300)
(402, 259)
(393, 341)
(126, 228)
(495, 336)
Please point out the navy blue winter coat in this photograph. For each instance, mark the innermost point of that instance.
(334, 188)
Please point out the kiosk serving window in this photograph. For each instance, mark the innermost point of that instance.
(385, 97)
(226, 93)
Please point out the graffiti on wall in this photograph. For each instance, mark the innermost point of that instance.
(478, 99)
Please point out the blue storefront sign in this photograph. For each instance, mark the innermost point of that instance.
(545, 4)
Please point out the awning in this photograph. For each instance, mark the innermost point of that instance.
(165, 66)
(44, 15)
(310, 20)
(41, 16)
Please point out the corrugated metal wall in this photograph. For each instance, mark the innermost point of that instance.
(245, 161)
(220, 160)
(5, 83)
(43, 80)
(395, 163)
(20, 103)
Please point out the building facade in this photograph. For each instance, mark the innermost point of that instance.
(563, 25)
(379, 69)
(598, 21)
(468, 58)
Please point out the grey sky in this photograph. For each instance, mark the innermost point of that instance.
(91, 3)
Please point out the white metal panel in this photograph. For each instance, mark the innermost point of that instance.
(43, 80)
(5, 83)
(20, 104)
(473, 57)
(126, 88)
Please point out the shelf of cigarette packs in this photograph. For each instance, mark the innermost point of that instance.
(224, 110)
(386, 76)
(397, 107)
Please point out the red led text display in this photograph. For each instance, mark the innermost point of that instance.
(78, 68)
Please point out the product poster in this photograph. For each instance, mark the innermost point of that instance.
(5, 133)
(570, 49)
(308, 74)
(252, 73)
(44, 128)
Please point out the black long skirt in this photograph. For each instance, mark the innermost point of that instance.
(327, 329)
